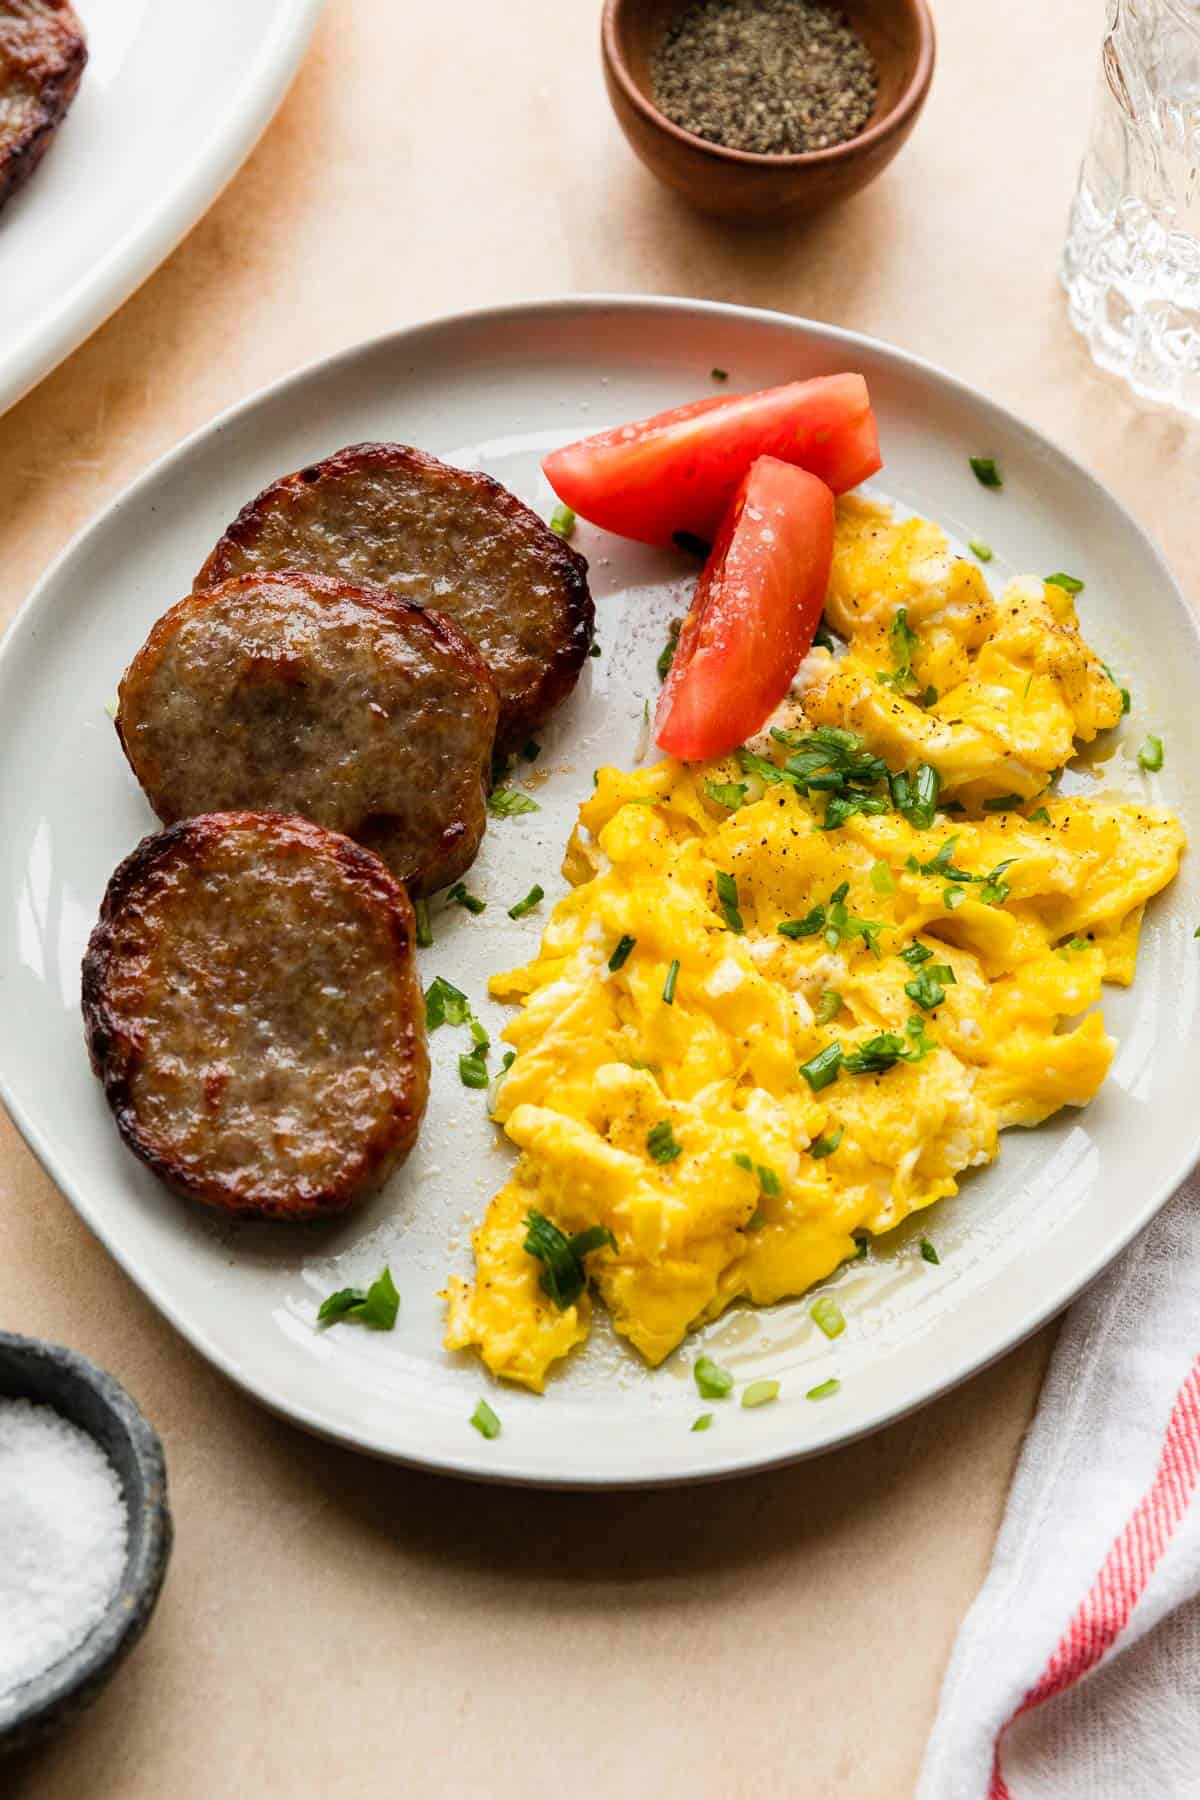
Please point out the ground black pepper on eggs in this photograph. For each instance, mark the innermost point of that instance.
(776, 77)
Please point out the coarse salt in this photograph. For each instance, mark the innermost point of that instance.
(63, 1537)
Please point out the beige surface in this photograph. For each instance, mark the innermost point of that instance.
(330, 1626)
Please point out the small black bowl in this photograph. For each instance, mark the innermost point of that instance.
(84, 1394)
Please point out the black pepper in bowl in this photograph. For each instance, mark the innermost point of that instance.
(774, 77)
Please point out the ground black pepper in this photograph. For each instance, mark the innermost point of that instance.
(777, 77)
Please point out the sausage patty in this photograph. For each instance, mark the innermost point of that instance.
(252, 1008)
(299, 694)
(444, 537)
(42, 56)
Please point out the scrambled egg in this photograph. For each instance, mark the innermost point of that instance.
(750, 1038)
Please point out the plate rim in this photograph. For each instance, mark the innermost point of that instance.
(201, 184)
(499, 1470)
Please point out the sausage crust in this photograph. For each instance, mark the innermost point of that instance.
(42, 56)
(444, 537)
(295, 693)
(252, 1009)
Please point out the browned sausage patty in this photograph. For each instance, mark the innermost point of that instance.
(252, 1008)
(297, 694)
(442, 537)
(42, 56)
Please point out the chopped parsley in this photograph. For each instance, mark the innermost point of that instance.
(662, 1143)
(827, 1316)
(563, 1275)
(726, 793)
(1070, 584)
(985, 471)
(458, 895)
(760, 1393)
(727, 894)
(929, 1253)
(714, 1382)
(533, 898)
(485, 1421)
(507, 803)
(620, 955)
(375, 1306)
(445, 1004)
(562, 521)
(1151, 754)
(668, 992)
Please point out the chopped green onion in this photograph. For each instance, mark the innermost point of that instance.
(562, 521)
(768, 1181)
(485, 1421)
(1151, 754)
(1040, 817)
(824, 1390)
(916, 795)
(459, 896)
(882, 879)
(760, 1393)
(953, 898)
(828, 1006)
(375, 1306)
(445, 1004)
(980, 549)
(1003, 802)
(720, 374)
(756, 1221)
(662, 1143)
(808, 926)
(928, 988)
(479, 1036)
(666, 655)
(928, 1252)
(424, 928)
(726, 793)
(703, 1423)
(668, 992)
(916, 954)
(472, 1070)
(563, 1275)
(825, 1146)
(713, 1381)
(507, 803)
(827, 1316)
(620, 955)
(533, 898)
(985, 471)
(727, 894)
(822, 1068)
(994, 891)
(1069, 583)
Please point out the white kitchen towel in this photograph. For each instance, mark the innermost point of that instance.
(1076, 1674)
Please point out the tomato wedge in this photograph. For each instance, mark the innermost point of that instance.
(679, 470)
(756, 609)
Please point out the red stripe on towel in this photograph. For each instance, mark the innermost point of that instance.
(1131, 1561)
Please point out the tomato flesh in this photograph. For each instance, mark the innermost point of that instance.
(754, 615)
(678, 471)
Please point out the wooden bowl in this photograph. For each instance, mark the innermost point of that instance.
(736, 184)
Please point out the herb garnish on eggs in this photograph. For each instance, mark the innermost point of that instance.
(897, 988)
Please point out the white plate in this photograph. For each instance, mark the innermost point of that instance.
(496, 390)
(172, 101)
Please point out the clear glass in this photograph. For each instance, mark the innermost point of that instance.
(1131, 265)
